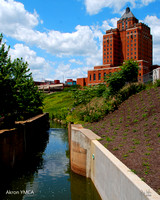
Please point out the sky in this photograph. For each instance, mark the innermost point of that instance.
(62, 39)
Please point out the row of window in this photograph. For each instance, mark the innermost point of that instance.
(99, 76)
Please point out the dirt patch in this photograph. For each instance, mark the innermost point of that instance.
(132, 134)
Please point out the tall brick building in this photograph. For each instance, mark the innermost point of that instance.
(130, 40)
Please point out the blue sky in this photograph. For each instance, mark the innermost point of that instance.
(62, 39)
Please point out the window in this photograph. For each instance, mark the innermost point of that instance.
(104, 74)
(99, 76)
(90, 77)
(94, 77)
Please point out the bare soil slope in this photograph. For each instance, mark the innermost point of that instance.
(132, 134)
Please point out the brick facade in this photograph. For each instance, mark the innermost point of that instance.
(130, 40)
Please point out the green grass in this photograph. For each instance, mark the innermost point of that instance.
(58, 103)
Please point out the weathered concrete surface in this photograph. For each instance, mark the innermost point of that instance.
(113, 180)
(80, 149)
(17, 142)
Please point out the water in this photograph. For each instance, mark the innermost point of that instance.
(46, 174)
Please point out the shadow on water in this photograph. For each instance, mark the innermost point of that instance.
(13, 181)
(45, 173)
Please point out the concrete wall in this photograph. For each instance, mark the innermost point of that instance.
(113, 180)
(20, 141)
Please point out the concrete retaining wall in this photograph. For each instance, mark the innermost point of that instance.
(20, 141)
(113, 180)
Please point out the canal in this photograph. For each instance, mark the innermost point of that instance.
(46, 174)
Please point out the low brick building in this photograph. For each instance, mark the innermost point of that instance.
(130, 40)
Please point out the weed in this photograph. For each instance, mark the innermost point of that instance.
(125, 155)
(108, 139)
(158, 134)
(150, 149)
(145, 163)
(103, 135)
(135, 120)
(115, 133)
(100, 139)
(144, 115)
(136, 141)
(134, 130)
(115, 149)
(134, 171)
(131, 151)
(125, 134)
(106, 145)
(147, 154)
(133, 147)
(146, 124)
(154, 123)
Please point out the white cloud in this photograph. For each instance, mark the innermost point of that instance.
(13, 17)
(95, 6)
(40, 68)
(65, 71)
(154, 23)
(78, 62)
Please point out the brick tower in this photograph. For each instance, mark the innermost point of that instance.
(130, 40)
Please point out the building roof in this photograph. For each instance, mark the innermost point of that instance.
(127, 14)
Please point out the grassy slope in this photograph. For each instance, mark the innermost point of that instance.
(56, 102)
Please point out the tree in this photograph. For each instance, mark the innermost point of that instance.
(127, 74)
(6, 81)
(19, 96)
(130, 71)
(28, 98)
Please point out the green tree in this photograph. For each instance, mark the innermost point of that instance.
(6, 82)
(127, 74)
(129, 71)
(19, 96)
(28, 98)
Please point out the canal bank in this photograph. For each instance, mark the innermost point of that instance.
(47, 175)
(113, 180)
(19, 142)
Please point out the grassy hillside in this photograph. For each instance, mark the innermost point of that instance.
(58, 104)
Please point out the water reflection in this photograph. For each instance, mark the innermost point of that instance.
(46, 174)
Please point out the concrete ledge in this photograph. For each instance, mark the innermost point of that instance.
(113, 180)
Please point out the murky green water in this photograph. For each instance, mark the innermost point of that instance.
(46, 174)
